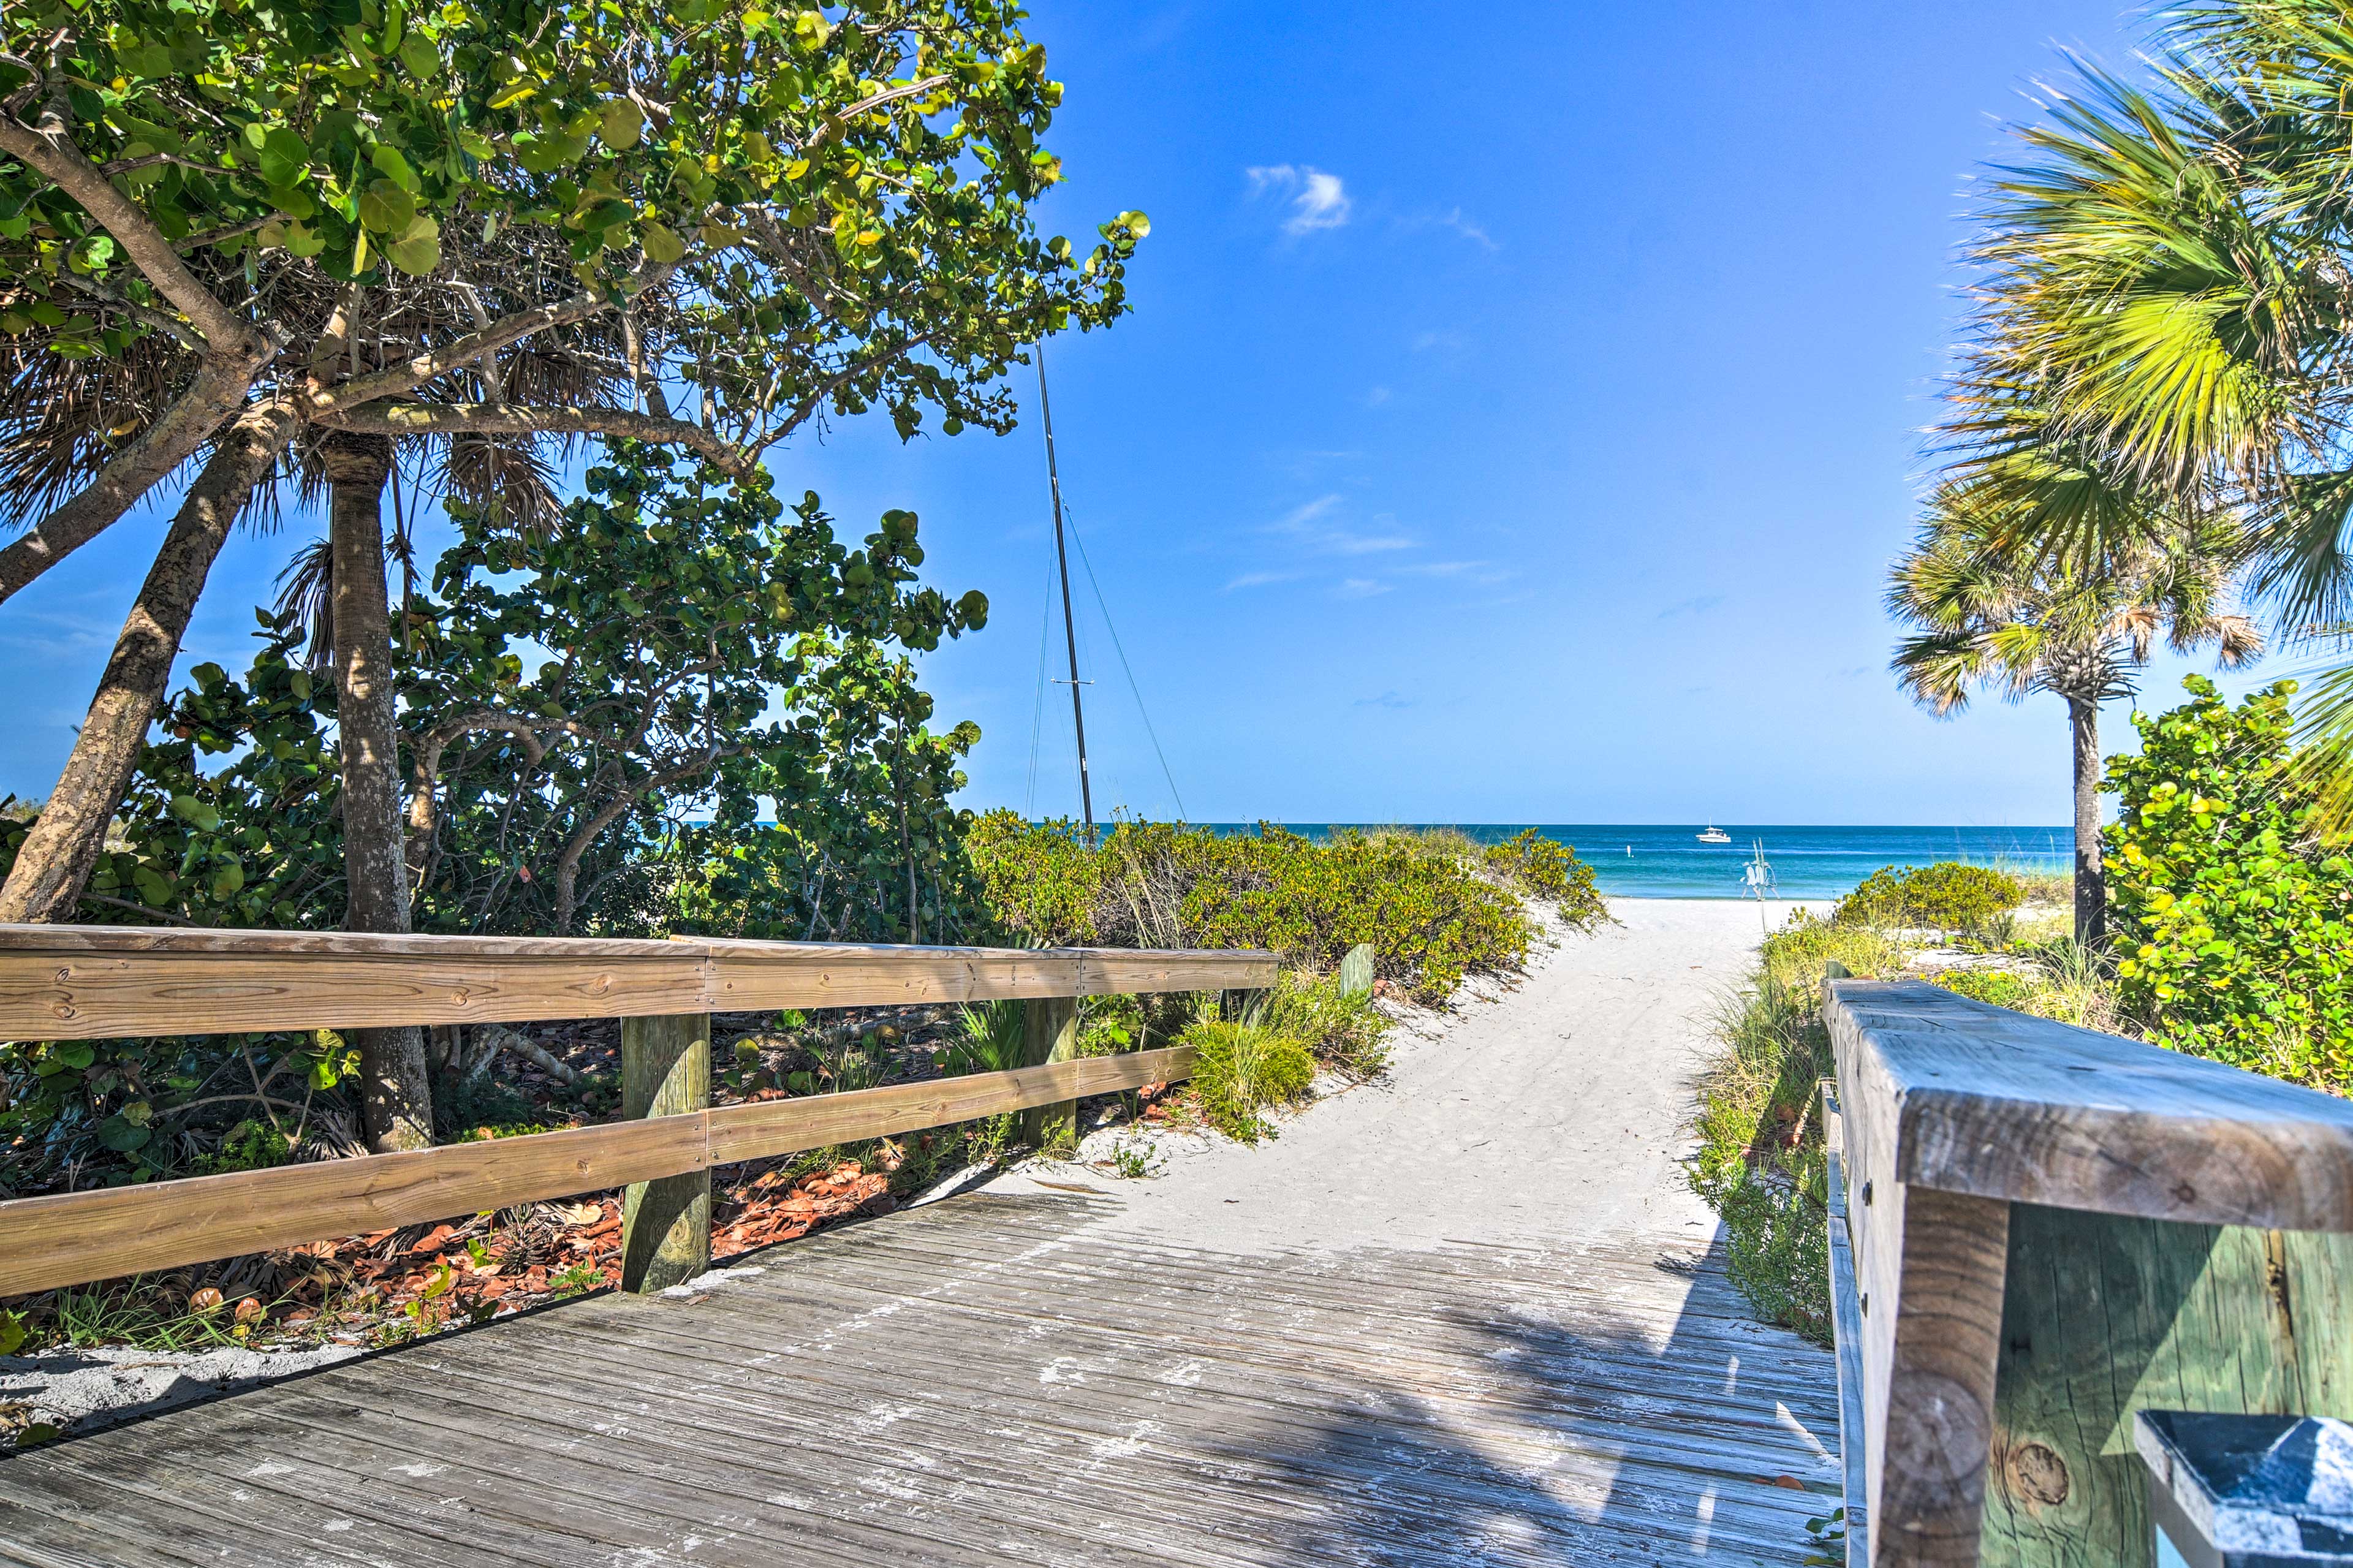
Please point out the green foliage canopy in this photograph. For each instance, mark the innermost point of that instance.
(2237, 919)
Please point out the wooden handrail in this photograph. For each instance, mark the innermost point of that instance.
(70, 1237)
(100, 981)
(2053, 1228)
(80, 982)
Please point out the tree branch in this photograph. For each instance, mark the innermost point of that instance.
(413, 373)
(162, 322)
(475, 418)
(182, 427)
(51, 152)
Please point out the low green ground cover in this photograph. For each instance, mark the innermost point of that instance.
(1760, 1164)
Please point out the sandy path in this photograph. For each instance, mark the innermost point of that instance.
(1555, 1112)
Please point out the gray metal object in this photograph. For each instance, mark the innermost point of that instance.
(2250, 1491)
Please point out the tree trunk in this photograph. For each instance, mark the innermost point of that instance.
(2091, 884)
(211, 400)
(55, 864)
(395, 1092)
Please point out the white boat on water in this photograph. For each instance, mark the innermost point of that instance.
(1715, 835)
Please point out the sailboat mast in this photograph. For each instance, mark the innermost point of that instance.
(1069, 631)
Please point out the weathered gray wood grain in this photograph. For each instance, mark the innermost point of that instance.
(1929, 1277)
(60, 982)
(666, 1222)
(1999, 1105)
(1846, 1326)
(1008, 1381)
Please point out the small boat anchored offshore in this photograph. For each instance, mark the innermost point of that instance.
(1715, 835)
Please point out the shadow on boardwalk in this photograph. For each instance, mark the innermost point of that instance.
(1008, 1380)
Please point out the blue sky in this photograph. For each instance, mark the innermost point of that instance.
(1515, 423)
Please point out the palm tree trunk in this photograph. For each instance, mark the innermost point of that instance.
(2091, 883)
(395, 1091)
(54, 864)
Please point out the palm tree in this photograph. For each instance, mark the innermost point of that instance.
(2168, 304)
(1996, 614)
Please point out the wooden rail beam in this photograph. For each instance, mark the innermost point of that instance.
(102, 982)
(70, 1238)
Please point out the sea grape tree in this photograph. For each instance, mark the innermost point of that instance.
(484, 227)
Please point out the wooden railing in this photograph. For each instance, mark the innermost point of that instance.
(2052, 1229)
(98, 982)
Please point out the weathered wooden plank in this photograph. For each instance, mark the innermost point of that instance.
(803, 1440)
(1928, 1501)
(1196, 1311)
(1846, 1333)
(1591, 1331)
(72, 994)
(2108, 1315)
(2001, 1105)
(997, 1380)
(983, 1379)
(95, 982)
(1929, 1266)
(747, 975)
(815, 1122)
(187, 1513)
(70, 1237)
(665, 1223)
(1050, 1033)
(1678, 1446)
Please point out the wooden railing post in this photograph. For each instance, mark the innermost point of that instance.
(665, 1223)
(1050, 1034)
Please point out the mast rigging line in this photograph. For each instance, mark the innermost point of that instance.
(1134, 689)
(1070, 629)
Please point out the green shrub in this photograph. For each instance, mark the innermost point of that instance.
(250, 1145)
(1242, 1070)
(1431, 906)
(2234, 924)
(1341, 1030)
(1777, 1240)
(1549, 871)
(991, 1038)
(1947, 896)
(1998, 987)
(1760, 1163)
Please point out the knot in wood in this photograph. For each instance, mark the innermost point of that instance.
(2038, 1475)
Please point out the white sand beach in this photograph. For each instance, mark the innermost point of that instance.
(1556, 1109)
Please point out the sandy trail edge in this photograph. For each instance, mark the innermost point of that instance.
(1558, 1109)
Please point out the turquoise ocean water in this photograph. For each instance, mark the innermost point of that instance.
(1652, 861)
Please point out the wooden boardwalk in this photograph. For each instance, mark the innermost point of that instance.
(1015, 1380)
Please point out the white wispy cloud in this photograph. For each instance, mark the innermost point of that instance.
(1306, 523)
(1485, 573)
(1259, 580)
(1468, 230)
(1318, 200)
(1362, 587)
